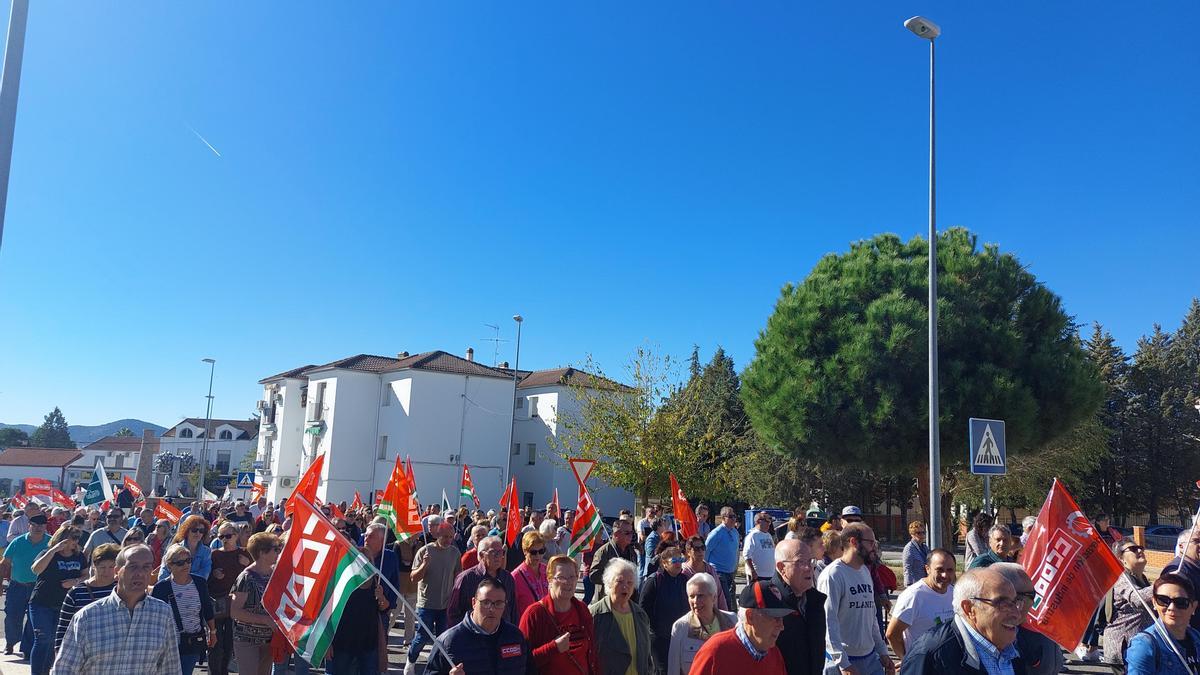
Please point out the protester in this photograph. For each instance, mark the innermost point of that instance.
(645, 525)
(559, 627)
(759, 549)
(19, 557)
(1149, 653)
(622, 626)
(252, 627)
(158, 539)
(703, 527)
(552, 537)
(925, 604)
(649, 543)
(193, 534)
(405, 552)
(132, 538)
(436, 567)
(98, 585)
(143, 521)
(751, 646)
(722, 543)
(702, 621)
(998, 537)
(664, 597)
(191, 605)
(1187, 563)
(484, 642)
(981, 638)
(387, 564)
(916, 553)
(58, 568)
(227, 564)
(470, 557)
(356, 642)
(125, 631)
(491, 561)
(852, 636)
(530, 576)
(114, 533)
(1027, 524)
(977, 538)
(1131, 595)
(831, 543)
(1039, 654)
(802, 642)
(695, 563)
(620, 546)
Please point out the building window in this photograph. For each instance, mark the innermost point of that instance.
(533, 406)
(185, 433)
(531, 448)
(304, 396)
(526, 499)
(382, 448)
(387, 394)
(222, 463)
(516, 449)
(519, 403)
(227, 435)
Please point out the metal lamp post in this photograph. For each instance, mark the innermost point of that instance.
(512, 426)
(927, 30)
(207, 426)
(10, 86)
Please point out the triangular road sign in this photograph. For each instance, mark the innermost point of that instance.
(582, 468)
(988, 453)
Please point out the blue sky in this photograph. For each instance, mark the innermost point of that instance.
(394, 175)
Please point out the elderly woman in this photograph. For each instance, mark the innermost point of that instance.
(58, 569)
(622, 627)
(665, 599)
(549, 531)
(252, 627)
(695, 563)
(1129, 615)
(559, 627)
(530, 575)
(703, 621)
(916, 553)
(193, 534)
(187, 594)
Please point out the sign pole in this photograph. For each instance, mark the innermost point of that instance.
(987, 494)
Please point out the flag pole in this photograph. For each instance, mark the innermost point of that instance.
(409, 608)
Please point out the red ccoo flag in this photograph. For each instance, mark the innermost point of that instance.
(134, 488)
(509, 501)
(307, 485)
(683, 511)
(165, 510)
(1071, 567)
(38, 486)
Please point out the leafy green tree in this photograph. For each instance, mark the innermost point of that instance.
(124, 431)
(13, 437)
(839, 375)
(54, 432)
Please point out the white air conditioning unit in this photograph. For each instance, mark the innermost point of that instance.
(287, 482)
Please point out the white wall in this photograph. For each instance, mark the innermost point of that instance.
(351, 415)
(288, 444)
(16, 474)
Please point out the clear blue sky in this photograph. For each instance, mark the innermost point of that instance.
(393, 175)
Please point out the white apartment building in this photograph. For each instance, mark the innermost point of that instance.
(440, 409)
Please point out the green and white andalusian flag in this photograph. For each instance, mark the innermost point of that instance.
(587, 525)
(316, 573)
(387, 504)
(99, 490)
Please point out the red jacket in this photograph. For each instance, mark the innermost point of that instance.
(541, 629)
(724, 653)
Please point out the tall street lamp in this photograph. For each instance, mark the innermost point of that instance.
(10, 86)
(928, 30)
(512, 427)
(207, 426)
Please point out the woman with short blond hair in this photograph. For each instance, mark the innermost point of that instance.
(530, 575)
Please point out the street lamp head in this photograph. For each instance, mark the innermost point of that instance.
(209, 360)
(923, 28)
(518, 318)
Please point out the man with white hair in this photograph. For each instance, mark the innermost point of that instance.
(751, 646)
(981, 640)
(802, 642)
(998, 537)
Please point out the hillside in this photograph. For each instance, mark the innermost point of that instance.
(83, 434)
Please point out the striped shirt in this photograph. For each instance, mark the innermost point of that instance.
(77, 598)
(106, 637)
(187, 601)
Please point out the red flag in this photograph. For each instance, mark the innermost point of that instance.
(408, 510)
(257, 490)
(412, 481)
(307, 485)
(19, 500)
(378, 496)
(509, 501)
(357, 503)
(168, 511)
(1071, 567)
(38, 486)
(557, 508)
(59, 497)
(335, 511)
(134, 488)
(683, 511)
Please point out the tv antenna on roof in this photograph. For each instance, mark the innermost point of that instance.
(495, 340)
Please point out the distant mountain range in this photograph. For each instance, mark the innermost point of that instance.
(83, 434)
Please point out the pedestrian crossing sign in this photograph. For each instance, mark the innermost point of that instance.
(987, 453)
(245, 479)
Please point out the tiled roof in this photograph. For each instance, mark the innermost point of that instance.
(58, 457)
(294, 372)
(570, 377)
(124, 444)
(435, 361)
(249, 427)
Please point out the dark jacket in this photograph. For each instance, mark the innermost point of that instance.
(1041, 655)
(614, 651)
(606, 553)
(389, 568)
(664, 597)
(465, 585)
(802, 641)
(505, 652)
(945, 650)
(162, 591)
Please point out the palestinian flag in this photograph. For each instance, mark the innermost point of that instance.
(587, 525)
(316, 573)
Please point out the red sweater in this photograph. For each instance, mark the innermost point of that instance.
(541, 629)
(724, 653)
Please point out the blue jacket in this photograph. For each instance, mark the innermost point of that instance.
(505, 652)
(648, 547)
(1149, 654)
(389, 568)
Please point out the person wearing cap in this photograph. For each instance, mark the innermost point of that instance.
(114, 533)
(20, 524)
(750, 646)
(851, 514)
(759, 549)
(802, 642)
(19, 556)
(853, 642)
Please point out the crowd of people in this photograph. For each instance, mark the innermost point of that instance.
(120, 591)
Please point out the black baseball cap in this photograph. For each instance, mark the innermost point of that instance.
(762, 596)
(38, 519)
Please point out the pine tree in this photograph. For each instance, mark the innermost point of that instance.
(1119, 476)
(54, 432)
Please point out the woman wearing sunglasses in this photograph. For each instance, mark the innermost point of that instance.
(664, 597)
(1149, 653)
(530, 575)
(1129, 614)
(187, 594)
(252, 627)
(693, 549)
(193, 535)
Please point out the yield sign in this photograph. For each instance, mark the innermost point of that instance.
(582, 468)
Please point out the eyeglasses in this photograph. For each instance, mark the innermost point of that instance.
(1027, 596)
(494, 551)
(537, 551)
(180, 562)
(492, 604)
(1133, 549)
(198, 530)
(999, 603)
(1165, 601)
(227, 536)
(566, 580)
(678, 559)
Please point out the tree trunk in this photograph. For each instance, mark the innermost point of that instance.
(949, 534)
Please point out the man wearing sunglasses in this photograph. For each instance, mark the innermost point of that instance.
(113, 533)
(1175, 601)
(981, 638)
